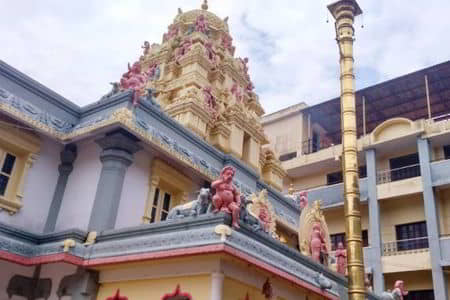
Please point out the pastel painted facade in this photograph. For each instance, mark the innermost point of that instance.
(116, 198)
(403, 150)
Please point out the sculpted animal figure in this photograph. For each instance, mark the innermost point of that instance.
(396, 294)
(227, 198)
(247, 218)
(193, 208)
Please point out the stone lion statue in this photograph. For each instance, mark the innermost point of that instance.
(194, 208)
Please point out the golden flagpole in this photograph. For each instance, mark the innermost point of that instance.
(344, 12)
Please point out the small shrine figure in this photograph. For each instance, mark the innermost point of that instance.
(317, 245)
(173, 32)
(250, 87)
(227, 43)
(153, 72)
(210, 101)
(133, 80)
(201, 25)
(397, 293)
(264, 217)
(210, 53)
(341, 257)
(146, 47)
(184, 48)
(227, 198)
(236, 92)
(303, 199)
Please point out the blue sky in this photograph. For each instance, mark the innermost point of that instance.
(77, 47)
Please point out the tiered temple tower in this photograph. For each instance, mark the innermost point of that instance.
(195, 77)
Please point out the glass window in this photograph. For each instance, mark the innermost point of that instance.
(411, 236)
(447, 152)
(7, 165)
(336, 239)
(420, 295)
(161, 206)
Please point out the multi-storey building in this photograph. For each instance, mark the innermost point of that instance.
(404, 155)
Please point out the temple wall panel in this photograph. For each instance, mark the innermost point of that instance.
(135, 191)
(197, 286)
(39, 185)
(56, 273)
(81, 187)
(7, 271)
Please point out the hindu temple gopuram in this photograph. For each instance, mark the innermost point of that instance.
(165, 188)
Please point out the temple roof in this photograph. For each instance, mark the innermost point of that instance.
(212, 19)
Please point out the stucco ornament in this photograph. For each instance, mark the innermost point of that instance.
(67, 244)
(397, 293)
(146, 48)
(227, 198)
(134, 80)
(313, 233)
(194, 208)
(264, 211)
(184, 48)
(172, 32)
(201, 25)
(341, 258)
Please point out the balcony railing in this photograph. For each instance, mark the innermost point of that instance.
(405, 246)
(309, 146)
(398, 174)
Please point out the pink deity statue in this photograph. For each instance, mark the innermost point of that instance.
(399, 290)
(227, 43)
(227, 198)
(183, 49)
(341, 257)
(172, 32)
(236, 92)
(153, 72)
(264, 217)
(317, 244)
(210, 53)
(146, 47)
(134, 80)
(303, 199)
(201, 25)
(210, 101)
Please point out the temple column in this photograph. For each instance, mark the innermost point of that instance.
(117, 155)
(68, 156)
(217, 286)
(432, 220)
(374, 223)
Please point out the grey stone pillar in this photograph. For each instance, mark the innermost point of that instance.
(117, 155)
(68, 156)
(432, 219)
(374, 223)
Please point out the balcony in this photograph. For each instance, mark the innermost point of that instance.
(310, 146)
(440, 172)
(391, 175)
(445, 249)
(405, 246)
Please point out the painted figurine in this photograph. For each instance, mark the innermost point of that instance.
(133, 80)
(396, 294)
(317, 244)
(341, 257)
(236, 91)
(303, 199)
(227, 196)
(264, 217)
(184, 48)
(146, 47)
(201, 25)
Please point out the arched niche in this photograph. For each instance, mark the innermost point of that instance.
(392, 128)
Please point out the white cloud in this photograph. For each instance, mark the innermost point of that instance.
(77, 47)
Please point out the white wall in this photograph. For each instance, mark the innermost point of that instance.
(39, 187)
(81, 187)
(134, 191)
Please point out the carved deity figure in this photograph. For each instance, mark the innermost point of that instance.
(303, 199)
(250, 87)
(341, 257)
(184, 48)
(173, 32)
(264, 217)
(227, 43)
(134, 80)
(146, 47)
(210, 53)
(201, 25)
(236, 92)
(210, 101)
(153, 72)
(317, 244)
(397, 293)
(227, 198)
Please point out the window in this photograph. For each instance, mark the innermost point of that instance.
(334, 178)
(362, 172)
(7, 163)
(411, 236)
(420, 295)
(17, 152)
(161, 206)
(447, 152)
(288, 156)
(404, 167)
(340, 237)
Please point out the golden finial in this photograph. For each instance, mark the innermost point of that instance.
(291, 189)
(205, 5)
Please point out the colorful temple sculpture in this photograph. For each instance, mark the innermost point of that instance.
(163, 189)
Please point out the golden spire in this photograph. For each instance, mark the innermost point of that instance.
(205, 5)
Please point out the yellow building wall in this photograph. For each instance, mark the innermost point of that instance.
(198, 286)
(285, 141)
(310, 181)
(235, 290)
(414, 281)
(444, 211)
(401, 210)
